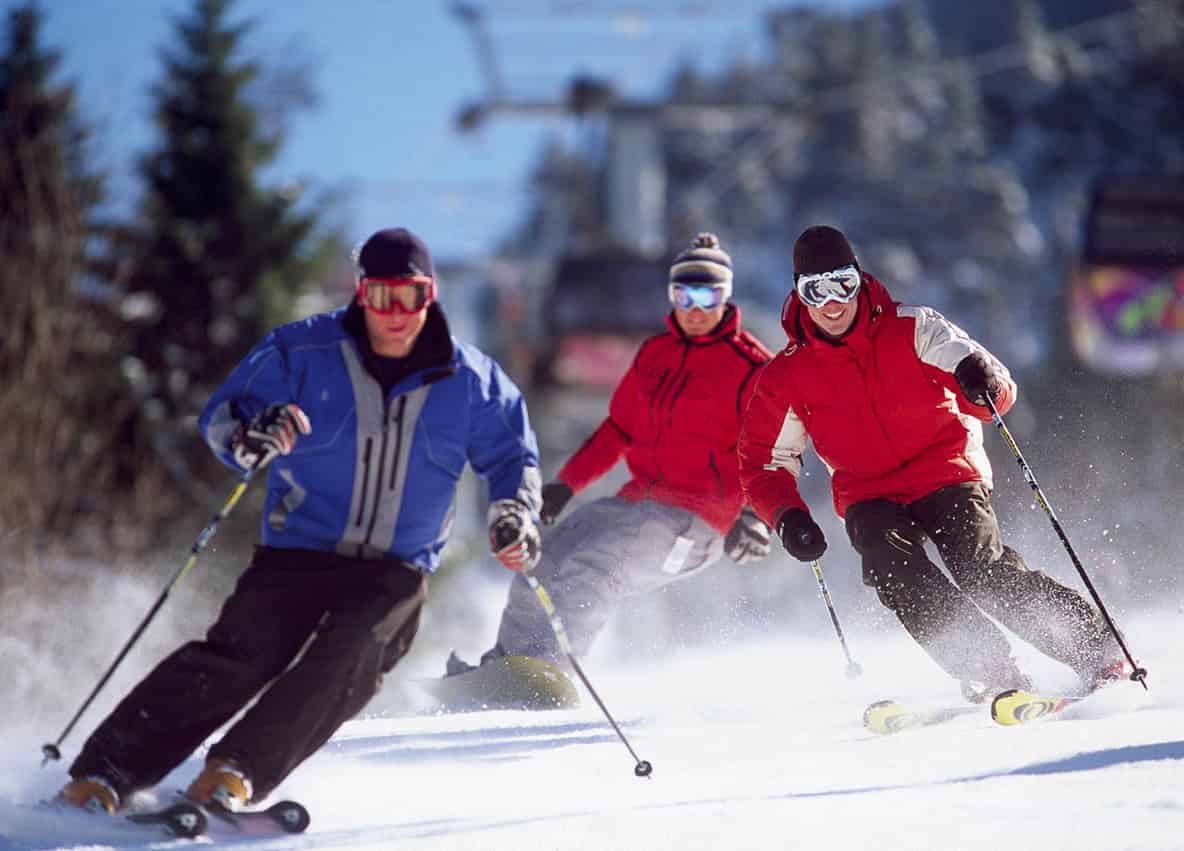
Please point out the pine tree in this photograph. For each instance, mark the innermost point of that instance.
(43, 141)
(60, 388)
(213, 242)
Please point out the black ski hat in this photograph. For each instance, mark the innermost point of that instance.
(394, 253)
(821, 248)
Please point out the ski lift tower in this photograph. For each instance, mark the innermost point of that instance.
(635, 179)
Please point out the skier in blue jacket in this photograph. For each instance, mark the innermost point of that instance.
(370, 413)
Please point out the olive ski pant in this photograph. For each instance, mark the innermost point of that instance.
(947, 617)
(310, 633)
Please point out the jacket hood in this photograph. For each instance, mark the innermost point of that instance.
(874, 300)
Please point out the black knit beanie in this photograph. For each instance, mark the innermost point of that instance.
(394, 253)
(822, 248)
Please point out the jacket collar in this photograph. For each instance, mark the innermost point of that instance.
(729, 326)
(433, 349)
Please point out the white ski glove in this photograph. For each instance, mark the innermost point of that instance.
(272, 432)
(513, 535)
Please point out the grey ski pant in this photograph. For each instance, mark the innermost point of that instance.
(310, 633)
(601, 553)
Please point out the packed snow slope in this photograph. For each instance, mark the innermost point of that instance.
(753, 747)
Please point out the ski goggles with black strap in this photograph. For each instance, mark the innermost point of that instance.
(688, 297)
(841, 285)
(403, 295)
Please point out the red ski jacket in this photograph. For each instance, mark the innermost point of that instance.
(881, 406)
(675, 416)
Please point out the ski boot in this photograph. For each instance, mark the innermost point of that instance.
(90, 793)
(979, 693)
(222, 782)
(456, 665)
(1103, 674)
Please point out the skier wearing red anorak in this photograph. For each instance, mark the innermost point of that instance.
(892, 397)
(674, 418)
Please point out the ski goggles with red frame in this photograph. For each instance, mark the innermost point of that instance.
(687, 297)
(841, 285)
(397, 295)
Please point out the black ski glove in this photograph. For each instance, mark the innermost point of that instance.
(748, 539)
(272, 432)
(555, 497)
(801, 536)
(977, 377)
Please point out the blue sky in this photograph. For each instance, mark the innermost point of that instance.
(391, 76)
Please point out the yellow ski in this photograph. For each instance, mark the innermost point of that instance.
(887, 716)
(1016, 706)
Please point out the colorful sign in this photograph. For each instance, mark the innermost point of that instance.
(1128, 321)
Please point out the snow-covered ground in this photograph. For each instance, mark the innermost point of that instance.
(753, 746)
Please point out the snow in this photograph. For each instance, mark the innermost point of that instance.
(754, 746)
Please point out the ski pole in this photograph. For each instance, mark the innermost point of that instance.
(853, 667)
(53, 751)
(642, 768)
(1138, 674)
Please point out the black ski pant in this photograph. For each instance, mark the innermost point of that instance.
(311, 633)
(946, 618)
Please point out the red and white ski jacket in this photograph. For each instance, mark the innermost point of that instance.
(675, 417)
(881, 406)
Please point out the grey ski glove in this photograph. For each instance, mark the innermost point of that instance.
(748, 539)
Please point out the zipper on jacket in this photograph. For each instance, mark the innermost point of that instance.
(674, 398)
(365, 480)
(656, 401)
(378, 478)
(658, 437)
(859, 367)
(719, 480)
(398, 441)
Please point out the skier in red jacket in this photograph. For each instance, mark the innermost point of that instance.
(674, 418)
(892, 397)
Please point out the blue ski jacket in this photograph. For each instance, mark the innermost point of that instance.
(377, 475)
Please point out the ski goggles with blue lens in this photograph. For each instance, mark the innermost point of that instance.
(841, 285)
(687, 297)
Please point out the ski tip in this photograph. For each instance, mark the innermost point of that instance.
(1016, 706)
(1001, 706)
(1005, 706)
(885, 716)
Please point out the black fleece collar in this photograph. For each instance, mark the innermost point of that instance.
(433, 349)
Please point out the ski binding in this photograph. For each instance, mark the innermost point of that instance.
(182, 819)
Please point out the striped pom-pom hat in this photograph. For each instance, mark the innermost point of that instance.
(704, 264)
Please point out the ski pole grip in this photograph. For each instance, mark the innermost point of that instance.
(505, 533)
